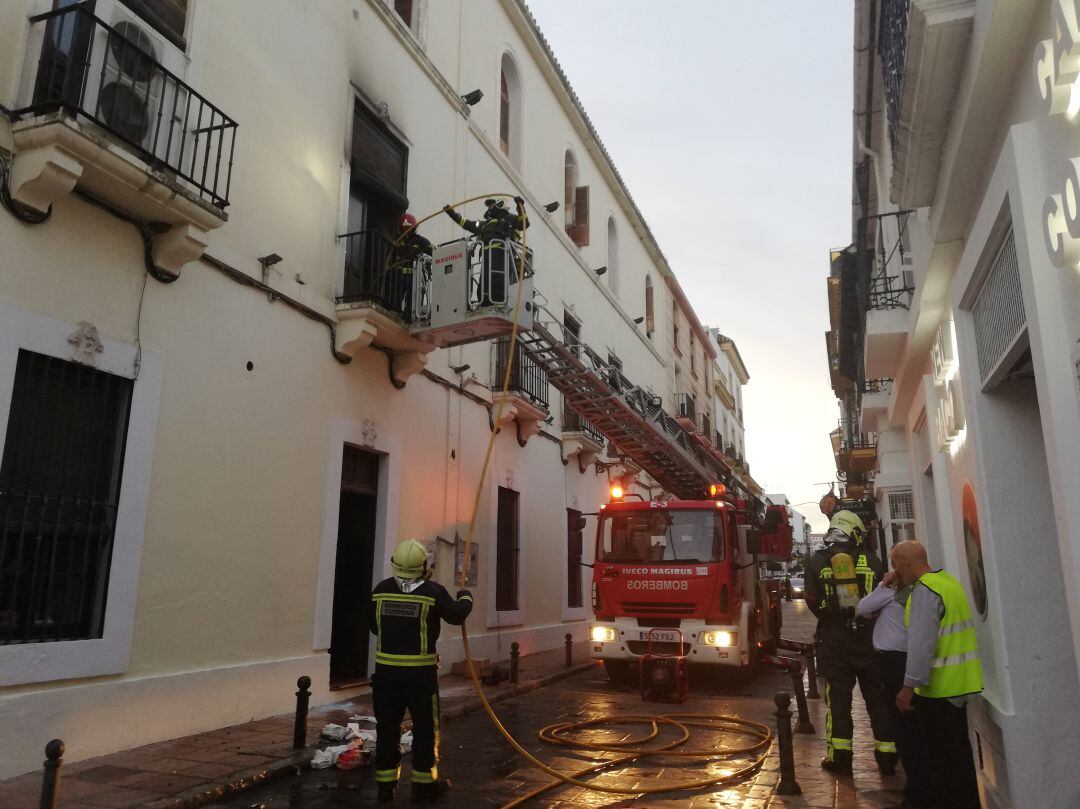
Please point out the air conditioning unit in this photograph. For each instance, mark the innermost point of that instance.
(115, 77)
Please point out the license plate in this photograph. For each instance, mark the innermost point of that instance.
(660, 635)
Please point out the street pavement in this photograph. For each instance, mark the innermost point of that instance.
(196, 771)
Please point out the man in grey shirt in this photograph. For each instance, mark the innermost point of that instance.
(938, 618)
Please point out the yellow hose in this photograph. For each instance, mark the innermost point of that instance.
(559, 733)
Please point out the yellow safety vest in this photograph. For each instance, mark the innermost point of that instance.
(956, 669)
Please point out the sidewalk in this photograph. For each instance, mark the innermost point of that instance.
(194, 771)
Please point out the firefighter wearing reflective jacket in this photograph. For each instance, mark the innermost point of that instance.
(496, 230)
(837, 577)
(405, 615)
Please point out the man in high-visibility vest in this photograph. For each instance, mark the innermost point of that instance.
(405, 615)
(943, 670)
(837, 578)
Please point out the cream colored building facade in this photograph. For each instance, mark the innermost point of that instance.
(964, 373)
(270, 443)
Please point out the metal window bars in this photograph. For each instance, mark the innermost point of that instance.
(373, 274)
(892, 280)
(527, 377)
(574, 423)
(892, 45)
(109, 75)
(684, 407)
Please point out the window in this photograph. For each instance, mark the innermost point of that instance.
(167, 17)
(379, 172)
(59, 492)
(571, 329)
(650, 320)
(404, 9)
(675, 327)
(668, 535)
(574, 543)
(612, 256)
(507, 551)
(576, 201)
(693, 357)
(510, 111)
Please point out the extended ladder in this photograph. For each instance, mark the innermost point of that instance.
(631, 418)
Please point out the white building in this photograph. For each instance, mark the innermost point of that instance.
(962, 380)
(729, 376)
(215, 422)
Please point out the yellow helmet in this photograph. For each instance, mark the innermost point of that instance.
(849, 523)
(410, 559)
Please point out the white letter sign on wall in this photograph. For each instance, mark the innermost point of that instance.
(944, 367)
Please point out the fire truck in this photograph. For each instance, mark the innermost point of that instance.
(681, 578)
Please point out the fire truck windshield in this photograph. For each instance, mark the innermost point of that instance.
(661, 536)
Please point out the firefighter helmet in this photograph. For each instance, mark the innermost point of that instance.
(410, 559)
(408, 222)
(849, 523)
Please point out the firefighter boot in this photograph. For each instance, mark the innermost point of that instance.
(385, 792)
(432, 790)
(840, 763)
(886, 762)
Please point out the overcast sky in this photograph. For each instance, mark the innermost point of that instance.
(731, 124)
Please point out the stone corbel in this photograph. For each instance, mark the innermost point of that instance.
(177, 246)
(586, 450)
(353, 336)
(527, 417)
(39, 177)
(404, 364)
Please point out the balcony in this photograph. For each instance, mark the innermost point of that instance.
(923, 44)
(581, 439)
(379, 301)
(874, 403)
(857, 455)
(527, 394)
(102, 112)
(685, 412)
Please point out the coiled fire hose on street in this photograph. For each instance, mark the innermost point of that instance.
(567, 733)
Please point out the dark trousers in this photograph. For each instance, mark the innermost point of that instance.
(917, 786)
(945, 749)
(847, 657)
(392, 693)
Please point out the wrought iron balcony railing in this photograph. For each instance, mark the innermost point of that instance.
(372, 275)
(863, 441)
(573, 423)
(527, 378)
(892, 45)
(111, 76)
(684, 407)
(892, 283)
(876, 385)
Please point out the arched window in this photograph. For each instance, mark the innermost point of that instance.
(612, 256)
(510, 111)
(650, 318)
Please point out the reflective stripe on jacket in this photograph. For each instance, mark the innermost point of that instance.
(956, 669)
(407, 625)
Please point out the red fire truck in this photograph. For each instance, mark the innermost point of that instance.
(687, 571)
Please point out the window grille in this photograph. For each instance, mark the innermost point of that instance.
(901, 507)
(59, 489)
(998, 311)
(507, 550)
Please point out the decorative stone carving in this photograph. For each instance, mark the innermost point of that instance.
(509, 477)
(407, 363)
(87, 343)
(178, 246)
(369, 433)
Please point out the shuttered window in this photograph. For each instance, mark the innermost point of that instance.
(167, 17)
(507, 551)
(504, 115)
(650, 320)
(998, 312)
(579, 231)
(59, 490)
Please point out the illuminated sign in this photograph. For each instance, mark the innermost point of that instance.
(1057, 77)
(950, 406)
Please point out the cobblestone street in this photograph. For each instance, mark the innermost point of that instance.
(487, 772)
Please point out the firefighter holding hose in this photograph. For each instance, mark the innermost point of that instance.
(405, 617)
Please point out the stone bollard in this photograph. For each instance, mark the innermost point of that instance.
(788, 785)
(811, 671)
(50, 782)
(569, 650)
(804, 724)
(299, 735)
(515, 653)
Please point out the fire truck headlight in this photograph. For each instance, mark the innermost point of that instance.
(720, 638)
(602, 634)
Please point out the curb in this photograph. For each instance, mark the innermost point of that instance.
(298, 762)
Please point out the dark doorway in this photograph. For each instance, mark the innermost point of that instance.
(349, 637)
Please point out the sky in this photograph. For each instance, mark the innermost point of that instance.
(730, 122)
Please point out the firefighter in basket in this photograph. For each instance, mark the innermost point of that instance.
(837, 577)
(496, 230)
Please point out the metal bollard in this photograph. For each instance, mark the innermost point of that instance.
(299, 734)
(788, 785)
(569, 650)
(50, 782)
(811, 671)
(515, 653)
(804, 724)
